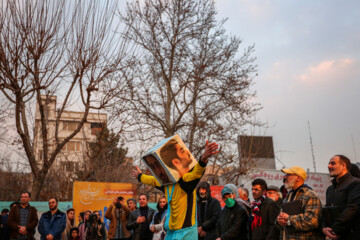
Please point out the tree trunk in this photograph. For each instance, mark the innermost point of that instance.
(37, 185)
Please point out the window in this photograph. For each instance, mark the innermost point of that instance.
(70, 126)
(73, 146)
(95, 128)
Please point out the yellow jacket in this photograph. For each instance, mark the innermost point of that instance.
(183, 202)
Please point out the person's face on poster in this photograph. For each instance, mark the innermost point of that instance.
(183, 155)
(157, 169)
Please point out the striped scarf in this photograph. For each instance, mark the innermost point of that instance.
(257, 219)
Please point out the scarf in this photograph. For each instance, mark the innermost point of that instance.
(257, 219)
(157, 218)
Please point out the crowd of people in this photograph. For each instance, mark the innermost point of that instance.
(291, 211)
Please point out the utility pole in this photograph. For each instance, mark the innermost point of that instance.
(312, 147)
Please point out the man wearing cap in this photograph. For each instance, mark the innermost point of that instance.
(232, 223)
(304, 224)
(274, 193)
(343, 196)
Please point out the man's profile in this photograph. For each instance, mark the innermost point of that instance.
(157, 169)
(176, 156)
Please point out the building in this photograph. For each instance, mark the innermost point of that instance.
(259, 149)
(73, 155)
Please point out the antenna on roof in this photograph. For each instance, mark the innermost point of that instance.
(312, 147)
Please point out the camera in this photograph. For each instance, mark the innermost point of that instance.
(120, 198)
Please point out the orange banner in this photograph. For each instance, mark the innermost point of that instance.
(216, 193)
(97, 196)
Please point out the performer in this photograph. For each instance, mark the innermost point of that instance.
(180, 222)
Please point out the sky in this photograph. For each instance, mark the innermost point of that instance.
(308, 57)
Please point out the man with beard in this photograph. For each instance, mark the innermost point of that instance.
(52, 223)
(22, 219)
(343, 196)
(303, 223)
(208, 212)
(176, 157)
(118, 214)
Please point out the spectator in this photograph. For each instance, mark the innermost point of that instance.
(118, 214)
(70, 223)
(81, 218)
(244, 194)
(157, 223)
(4, 234)
(264, 213)
(74, 234)
(97, 213)
(344, 197)
(132, 204)
(181, 196)
(139, 220)
(52, 223)
(96, 230)
(354, 170)
(274, 193)
(283, 190)
(304, 222)
(208, 211)
(84, 225)
(232, 223)
(22, 219)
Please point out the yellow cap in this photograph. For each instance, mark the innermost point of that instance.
(298, 171)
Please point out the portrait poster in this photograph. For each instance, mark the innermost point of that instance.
(169, 160)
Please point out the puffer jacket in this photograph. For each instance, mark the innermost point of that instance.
(232, 224)
(212, 211)
(345, 195)
(52, 225)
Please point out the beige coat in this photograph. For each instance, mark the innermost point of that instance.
(124, 215)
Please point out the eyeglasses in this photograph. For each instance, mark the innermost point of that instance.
(289, 174)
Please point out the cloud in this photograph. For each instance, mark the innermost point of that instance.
(327, 72)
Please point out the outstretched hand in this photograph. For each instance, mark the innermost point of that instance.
(210, 149)
(135, 172)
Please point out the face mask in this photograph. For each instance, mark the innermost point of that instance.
(118, 205)
(230, 202)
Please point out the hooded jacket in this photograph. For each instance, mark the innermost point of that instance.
(211, 209)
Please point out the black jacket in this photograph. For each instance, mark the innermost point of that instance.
(133, 225)
(232, 224)
(345, 195)
(212, 211)
(269, 211)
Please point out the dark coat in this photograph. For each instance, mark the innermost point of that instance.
(54, 226)
(212, 211)
(14, 220)
(232, 224)
(269, 211)
(346, 196)
(133, 225)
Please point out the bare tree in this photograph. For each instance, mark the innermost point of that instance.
(65, 48)
(193, 80)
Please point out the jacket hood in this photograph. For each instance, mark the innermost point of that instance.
(205, 185)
